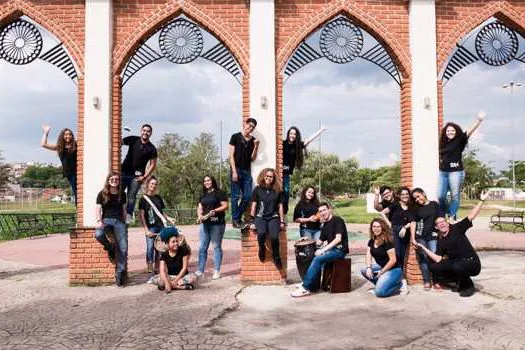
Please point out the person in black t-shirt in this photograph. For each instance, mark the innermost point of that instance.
(110, 215)
(140, 152)
(174, 266)
(151, 223)
(455, 259)
(385, 274)
(66, 148)
(211, 209)
(305, 213)
(422, 230)
(243, 150)
(451, 174)
(267, 213)
(383, 197)
(334, 242)
(294, 151)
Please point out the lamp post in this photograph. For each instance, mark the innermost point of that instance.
(511, 85)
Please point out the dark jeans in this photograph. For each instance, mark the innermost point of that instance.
(401, 245)
(152, 254)
(423, 259)
(241, 192)
(317, 265)
(132, 187)
(121, 235)
(286, 192)
(269, 227)
(457, 270)
(72, 179)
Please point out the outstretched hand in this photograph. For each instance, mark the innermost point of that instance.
(376, 190)
(484, 195)
(481, 115)
(46, 128)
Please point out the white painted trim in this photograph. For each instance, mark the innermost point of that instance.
(262, 81)
(424, 101)
(97, 87)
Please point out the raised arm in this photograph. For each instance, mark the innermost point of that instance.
(43, 141)
(377, 199)
(384, 216)
(436, 258)
(477, 123)
(314, 136)
(475, 211)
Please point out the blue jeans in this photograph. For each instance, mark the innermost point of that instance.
(309, 233)
(151, 252)
(423, 259)
(132, 187)
(210, 233)
(121, 235)
(400, 244)
(286, 192)
(72, 179)
(241, 192)
(452, 181)
(388, 283)
(317, 265)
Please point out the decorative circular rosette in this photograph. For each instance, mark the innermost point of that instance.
(20, 42)
(341, 41)
(496, 44)
(181, 41)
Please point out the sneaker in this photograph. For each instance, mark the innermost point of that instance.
(372, 291)
(198, 274)
(468, 292)
(129, 219)
(427, 287)
(150, 279)
(119, 280)
(437, 287)
(404, 288)
(236, 224)
(216, 275)
(300, 292)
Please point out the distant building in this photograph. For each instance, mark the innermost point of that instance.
(504, 193)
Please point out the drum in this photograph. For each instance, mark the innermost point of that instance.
(304, 254)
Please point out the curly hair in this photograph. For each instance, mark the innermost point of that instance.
(300, 151)
(386, 233)
(443, 140)
(61, 143)
(303, 199)
(106, 188)
(276, 183)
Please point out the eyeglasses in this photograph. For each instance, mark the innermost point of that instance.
(114, 179)
(268, 176)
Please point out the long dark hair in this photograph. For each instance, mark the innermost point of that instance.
(410, 199)
(213, 184)
(61, 143)
(299, 149)
(303, 199)
(106, 188)
(443, 140)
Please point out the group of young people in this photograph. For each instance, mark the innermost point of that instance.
(409, 217)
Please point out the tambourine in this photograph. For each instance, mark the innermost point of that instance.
(160, 245)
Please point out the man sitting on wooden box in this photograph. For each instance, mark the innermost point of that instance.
(334, 241)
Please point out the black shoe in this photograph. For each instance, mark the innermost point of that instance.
(467, 292)
(236, 224)
(119, 279)
(262, 254)
(278, 263)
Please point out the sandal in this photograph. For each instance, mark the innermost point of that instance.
(427, 286)
(438, 287)
(189, 286)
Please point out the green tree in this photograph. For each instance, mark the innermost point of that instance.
(4, 171)
(388, 175)
(43, 176)
(519, 169)
(477, 175)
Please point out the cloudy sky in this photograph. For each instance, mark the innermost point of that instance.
(357, 102)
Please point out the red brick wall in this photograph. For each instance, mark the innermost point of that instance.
(252, 270)
(406, 133)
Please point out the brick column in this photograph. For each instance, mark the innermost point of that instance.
(88, 261)
(254, 271)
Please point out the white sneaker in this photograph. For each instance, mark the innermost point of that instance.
(404, 287)
(129, 219)
(372, 291)
(216, 275)
(300, 292)
(198, 274)
(150, 280)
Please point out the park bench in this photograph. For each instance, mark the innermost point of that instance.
(31, 224)
(63, 221)
(508, 217)
(14, 225)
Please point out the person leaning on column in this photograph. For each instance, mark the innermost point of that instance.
(455, 260)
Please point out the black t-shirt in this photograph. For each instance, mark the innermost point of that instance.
(152, 219)
(398, 215)
(450, 155)
(380, 254)
(289, 156)
(69, 162)
(305, 210)
(331, 228)
(426, 216)
(210, 201)
(174, 263)
(456, 245)
(267, 202)
(385, 204)
(112, 209)
(243, 150)
(138, 156)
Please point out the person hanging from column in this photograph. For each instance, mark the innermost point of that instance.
(294, 152)
(267, 213)
(305, 213)
(66, 148)
(455, 260)
(110, 214)
(422, 231)
(452, 142)
(242, 151)
(140, 152)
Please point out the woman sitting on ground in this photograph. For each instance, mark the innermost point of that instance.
(305, 213)
(385, 274)
(174, 264)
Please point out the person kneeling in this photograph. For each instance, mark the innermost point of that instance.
(455, 259)
(335, 238)
(174, 265)
(385, 274)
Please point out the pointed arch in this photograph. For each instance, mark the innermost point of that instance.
(152, 22)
